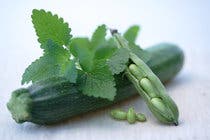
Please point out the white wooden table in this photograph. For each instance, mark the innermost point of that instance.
(186, 23)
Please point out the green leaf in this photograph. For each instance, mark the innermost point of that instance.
(55, 51)
(103, 48)
(49, 65)
(117, 63)
(50, 26)
(143, 54)
(70, 72)
(87, 50)
(80, 48)
(99, 82)
(98, 37)
(41, 68)
(96, 78)
(132, 33)
(105, 52)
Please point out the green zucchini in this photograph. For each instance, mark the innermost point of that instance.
(55, 99)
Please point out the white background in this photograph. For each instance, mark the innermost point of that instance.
(184, 22)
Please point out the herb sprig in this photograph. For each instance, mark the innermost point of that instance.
(89, 63)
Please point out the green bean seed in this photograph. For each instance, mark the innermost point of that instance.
(131, 116)
(119, 114)
(159, 106)
(136, 71)
(158, 103)
(148, 87)
(140, 117)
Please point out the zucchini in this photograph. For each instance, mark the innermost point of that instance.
(55, 99)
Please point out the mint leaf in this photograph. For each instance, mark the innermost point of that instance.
(70, 71)
(51, 64)
(96, 78)
(58, 53)
(98, 37)
(50, 26)
(41, 68)
(117, 63)
(99, 82)
(105, 51)
(132, 33)
(80, 48)
(87, 50)
(143, 54)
